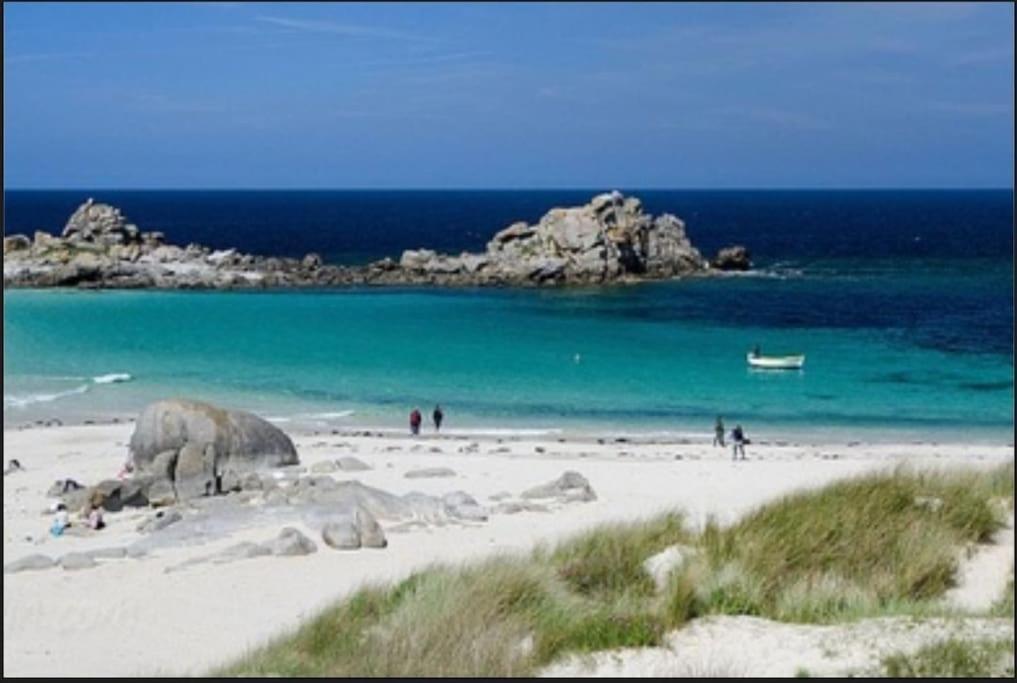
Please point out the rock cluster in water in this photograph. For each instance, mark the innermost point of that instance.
(608, 240)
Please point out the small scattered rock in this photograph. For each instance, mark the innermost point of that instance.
(290, 543)
(75, 561)
(430, 472)
(348, 463)
(324, 467)
(29, 563)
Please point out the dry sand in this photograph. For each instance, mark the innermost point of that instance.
(129, 617)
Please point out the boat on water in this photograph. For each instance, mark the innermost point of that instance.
(794, 362)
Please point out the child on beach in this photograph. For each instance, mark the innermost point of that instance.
(718, 433)
(415, 422)
(61, 520)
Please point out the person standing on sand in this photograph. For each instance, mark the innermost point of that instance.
(437, 416)
(718, 432)
(415, 422)
(738, 439)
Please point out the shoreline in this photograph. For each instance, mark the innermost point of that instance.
(681, 434)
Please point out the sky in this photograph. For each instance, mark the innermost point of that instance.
(493, 95)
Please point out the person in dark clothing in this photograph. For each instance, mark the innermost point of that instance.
(718, 432)
(739, 441)
(438, 416)
(415, 422)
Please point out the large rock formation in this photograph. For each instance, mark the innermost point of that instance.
(608, 240)
(203, 449)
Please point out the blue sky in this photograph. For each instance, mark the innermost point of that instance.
(316, 95)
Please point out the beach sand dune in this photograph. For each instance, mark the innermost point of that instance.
(130, 616)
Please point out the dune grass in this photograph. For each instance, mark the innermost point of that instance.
(870, 545)
(954, 658)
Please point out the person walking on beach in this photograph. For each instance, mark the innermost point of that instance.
(739, 440)
(437, 416)
(718, 432)
(415, 422)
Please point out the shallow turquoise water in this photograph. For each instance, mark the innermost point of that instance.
(662, 357)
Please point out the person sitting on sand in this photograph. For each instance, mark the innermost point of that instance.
(61, 520)
(718, 432)
(415, 422)
(92, 514)
(437, 416)
(12, 466)
(738, 437)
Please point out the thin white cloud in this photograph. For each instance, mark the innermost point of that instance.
(167, 105)
(44, 57)
(973, 108)
(988, 55)
(335, 28)
(425, 60)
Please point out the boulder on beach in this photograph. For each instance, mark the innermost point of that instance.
(357, 530)
(198, 446)
(29, 563)
(570, 486)
(289, 543)
(348, 463)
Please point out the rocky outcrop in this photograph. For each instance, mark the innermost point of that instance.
(732, 258)
(608, 240)
(202, 449)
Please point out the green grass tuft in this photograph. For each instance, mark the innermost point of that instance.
(955, 659)
(862, 547)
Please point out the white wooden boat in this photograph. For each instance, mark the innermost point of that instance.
(776, 362)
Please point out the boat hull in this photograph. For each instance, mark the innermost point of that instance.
(776, 362)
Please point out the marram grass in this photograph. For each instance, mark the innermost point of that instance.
(873, 545)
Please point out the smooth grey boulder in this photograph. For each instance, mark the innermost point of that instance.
(76, 561)
(107, 553)
(462, 505)
(29, 563)
(427, 472)
(213, 446)
(371, 533)
(160, 520)
(291, 542)
(348, 463)
(570, 486)
(341, 535)
(241, 551)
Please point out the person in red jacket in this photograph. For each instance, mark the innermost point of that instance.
(415, 422)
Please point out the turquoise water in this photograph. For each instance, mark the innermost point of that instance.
(663, 357)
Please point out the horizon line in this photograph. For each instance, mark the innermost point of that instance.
(514, 189)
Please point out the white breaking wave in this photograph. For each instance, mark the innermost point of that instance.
(328, 416)
(112, 378)
(11, 401)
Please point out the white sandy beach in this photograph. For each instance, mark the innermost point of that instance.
(130, 617)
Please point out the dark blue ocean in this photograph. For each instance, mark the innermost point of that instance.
(902, 301)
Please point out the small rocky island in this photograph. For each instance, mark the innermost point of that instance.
(609, 240)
